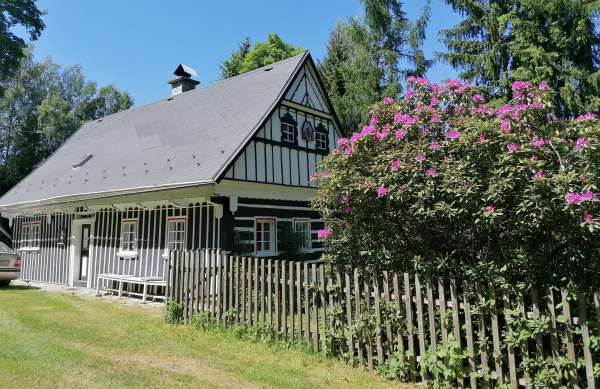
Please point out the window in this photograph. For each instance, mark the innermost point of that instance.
(302, 226)
(321, 138)
(176, 234)
(288, 129)
(30, 237)
(265, 236)
(129, 229)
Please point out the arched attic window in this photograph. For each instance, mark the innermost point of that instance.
(289, 129)
(321, 138)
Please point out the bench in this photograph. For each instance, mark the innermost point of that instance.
(128, 279)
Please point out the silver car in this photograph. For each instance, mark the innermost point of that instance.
(10, 265)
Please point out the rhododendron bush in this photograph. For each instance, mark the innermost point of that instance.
(445, 184)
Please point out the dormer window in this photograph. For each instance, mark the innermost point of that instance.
(288, 129)
(321, 138)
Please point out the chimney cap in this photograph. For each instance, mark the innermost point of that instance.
(185, 71)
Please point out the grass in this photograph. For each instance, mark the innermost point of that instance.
(62, 340)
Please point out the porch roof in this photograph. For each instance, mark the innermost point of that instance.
(180, 141)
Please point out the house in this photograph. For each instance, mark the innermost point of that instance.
(223, 166)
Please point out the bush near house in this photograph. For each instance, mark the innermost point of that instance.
(444, 184)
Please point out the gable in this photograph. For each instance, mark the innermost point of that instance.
(306, 90)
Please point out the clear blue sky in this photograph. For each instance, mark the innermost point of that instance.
(136, 44)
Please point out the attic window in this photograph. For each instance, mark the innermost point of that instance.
(83, 161)
(289, 131)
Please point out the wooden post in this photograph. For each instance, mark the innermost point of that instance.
(585, 337)
(496, 335)
(243, 297)
(431, 314)
(270, 291)
(483, 351)
(277, 306)
(420, 326)
(202, 280)
(553, 327)
(348, 291)
(250, 319)
(316, 312)
(263, 292)
(237, 290)
(367, 297)
(299, 297)
(378, 319)
(443, 326)
(469, 336)
(306, 305)
(218, 283)
(357, 303)
(512, 369)
(291, 304)
(386, 298)
(566, 307)
(283, 301)
(409, 325)
(256, 290)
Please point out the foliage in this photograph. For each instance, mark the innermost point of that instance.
(249, 57)
(500, 42)
(16, 13)
(173, 312)
(42, 106)
(367, 58)
(289, 241)
(443, 184)
(448, 364)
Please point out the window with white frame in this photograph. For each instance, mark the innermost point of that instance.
(265, 236)
(302, 227)
(176, 233)
(129, 230)
(30, 235)
(321, 138)
(288, 129)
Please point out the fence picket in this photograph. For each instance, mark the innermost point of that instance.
(218, 284)
(553, 338)
(386, 298)
(483, 347)
(348, 294)
(270, 292)
(566, 308)
(376, 297)
(357, 314)
(298, 281)
(420, 326)
(307, 334)
(409, 326)
(316, 308)
(585, 337)
(511, 352)
(256, 283)
(431, 314)
(262, 291)
(291, 305)
(469, 337)
(276, 284)
(284, 312)
(367, 297)
(443, 324)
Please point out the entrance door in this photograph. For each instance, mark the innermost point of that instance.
(85, 251)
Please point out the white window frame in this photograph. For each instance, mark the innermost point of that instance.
(288, 131)
(307, 234)
(272, 238)
(321, 140)
(129, 250)
(176, 244)
(28, 242)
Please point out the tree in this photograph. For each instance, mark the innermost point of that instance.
(249, 57)
(42, 106)
(368, 58)
(503, 41)
(16, 13)
(443, 184)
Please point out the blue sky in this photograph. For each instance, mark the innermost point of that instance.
(136, 44)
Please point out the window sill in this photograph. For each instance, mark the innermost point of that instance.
(127, 254)
(29, 249)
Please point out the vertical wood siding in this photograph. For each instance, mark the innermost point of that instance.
(51, 263)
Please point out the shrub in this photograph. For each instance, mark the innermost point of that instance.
(173, 312)
(444, 184)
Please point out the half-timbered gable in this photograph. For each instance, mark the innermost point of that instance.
(289, 146)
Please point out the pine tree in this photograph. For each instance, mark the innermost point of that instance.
(367, 59)
(501, 41)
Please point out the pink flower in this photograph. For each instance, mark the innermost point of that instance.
(400, 134)
(537, 104)
(452, 134)
(588, 218)
(581, 143)
(477, 98)
(543, 86)
(572, 197)
(518, 85)
(505, 126)
(586, 117)
(374, 120)
(388, 100)
(395, 165)
(588, 196)
(482, 138)
(347, 210)
(420, 157)
(409, 93)
(512, 147)
(489, 208)
(382, 191)
(537, 142)
(434, 101)
(431, 172)
(539, 175)
(433, 146)
(436, 118)
(324, 233)
(344, 200)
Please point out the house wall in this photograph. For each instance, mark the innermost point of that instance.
(51, 262)
(244, 220)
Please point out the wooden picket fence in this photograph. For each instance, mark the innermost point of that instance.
(383, 314)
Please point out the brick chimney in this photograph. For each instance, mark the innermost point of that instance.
(184, 81)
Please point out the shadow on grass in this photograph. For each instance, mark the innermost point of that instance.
(19, 287)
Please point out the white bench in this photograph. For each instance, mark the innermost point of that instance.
(124, 278)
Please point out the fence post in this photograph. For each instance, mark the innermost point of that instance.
(469, 336)
(566, 308)
(409, 325)
(420, 326)
(585, 337)
(511, 351)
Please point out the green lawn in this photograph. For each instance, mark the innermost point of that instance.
(61, 340)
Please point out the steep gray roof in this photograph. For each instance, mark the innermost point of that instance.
(185, 139)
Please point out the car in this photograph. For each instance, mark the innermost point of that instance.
(10, 265)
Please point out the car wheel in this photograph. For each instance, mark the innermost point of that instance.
(4, 283)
